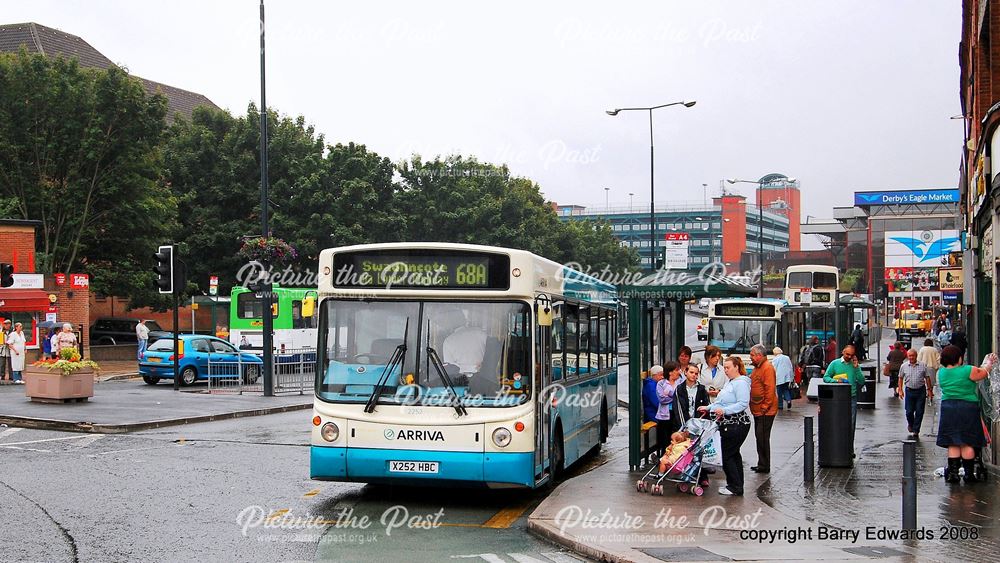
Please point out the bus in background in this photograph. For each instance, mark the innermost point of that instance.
(293, 311)
(814, 285)
(453, 364)
(735, 325)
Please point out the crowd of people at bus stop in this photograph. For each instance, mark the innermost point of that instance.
(679, 390)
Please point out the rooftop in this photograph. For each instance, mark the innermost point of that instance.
(51, 42)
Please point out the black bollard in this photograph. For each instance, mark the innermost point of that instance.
(909, 485)
(809, 466)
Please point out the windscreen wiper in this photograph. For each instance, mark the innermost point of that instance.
(397, 358)
(435, 360)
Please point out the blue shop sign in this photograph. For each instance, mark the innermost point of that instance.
(906, 197)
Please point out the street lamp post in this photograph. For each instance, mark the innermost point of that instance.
(652, 191)
(607, 205)
(630, 194)
(760, 228)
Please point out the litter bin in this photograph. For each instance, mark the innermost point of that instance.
(835, 441)
(866, 395)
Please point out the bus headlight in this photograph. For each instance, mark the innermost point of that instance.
(501, 437)
(330, 432)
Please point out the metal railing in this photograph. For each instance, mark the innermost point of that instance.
(293, 371)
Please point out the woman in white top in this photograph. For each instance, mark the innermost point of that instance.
(16, 342)
(713, 377)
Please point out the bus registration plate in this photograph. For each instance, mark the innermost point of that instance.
(413, 467)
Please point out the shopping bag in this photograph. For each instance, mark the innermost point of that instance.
(794, 390)
(712, 454)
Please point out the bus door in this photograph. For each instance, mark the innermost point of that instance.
(543, 398)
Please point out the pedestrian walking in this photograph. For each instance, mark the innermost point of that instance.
(858, 341)
(930, 357)
(784, 374)
(713, 377)
(830, 352)
(16, 343)
(845, 369)
(960, 428)
(763, 405)
(916, 388)
(142, 337)
(731, 407)
(895, 359)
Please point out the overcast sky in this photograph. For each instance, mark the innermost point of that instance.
(844, 96)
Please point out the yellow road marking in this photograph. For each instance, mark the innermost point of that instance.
(507, 516)
(311, 493)
(277, 513)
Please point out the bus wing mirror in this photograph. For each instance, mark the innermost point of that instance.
(543, 310)
(308, 307)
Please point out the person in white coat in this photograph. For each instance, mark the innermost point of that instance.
(16, 344)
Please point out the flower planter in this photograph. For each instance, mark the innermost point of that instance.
(51, 386)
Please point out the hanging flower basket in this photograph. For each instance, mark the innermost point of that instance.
(270, 250)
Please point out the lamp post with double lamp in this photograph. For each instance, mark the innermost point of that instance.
(652, 191)
(760, 228)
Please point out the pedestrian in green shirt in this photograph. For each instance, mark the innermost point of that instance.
(960, 429)
(845, 369)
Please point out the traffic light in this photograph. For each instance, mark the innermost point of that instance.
(165, 269)
(6, 275)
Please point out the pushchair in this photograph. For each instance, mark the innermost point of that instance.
(687, 469)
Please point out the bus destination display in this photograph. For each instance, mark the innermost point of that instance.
(744, 310)
(415, 269)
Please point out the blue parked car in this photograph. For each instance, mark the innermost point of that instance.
(158, 361)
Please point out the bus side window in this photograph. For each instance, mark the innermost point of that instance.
(571, 322)
(298, 321)
(558, 341)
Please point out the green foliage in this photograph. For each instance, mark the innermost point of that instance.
(88, 153)
(79, 152)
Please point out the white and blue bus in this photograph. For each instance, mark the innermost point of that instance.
(451, 364)
(736, 324)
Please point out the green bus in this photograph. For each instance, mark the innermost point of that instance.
(294, 313)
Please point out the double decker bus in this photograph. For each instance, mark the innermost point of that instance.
(814, 285)
(292, 311)
(455, 364)
(736, 325)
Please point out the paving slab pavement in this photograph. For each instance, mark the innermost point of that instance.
(601, 515)
(131, 405)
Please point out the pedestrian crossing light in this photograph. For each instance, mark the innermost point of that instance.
(6, 275)
(164, 269)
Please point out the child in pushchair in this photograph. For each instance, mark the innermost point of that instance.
(682, 461)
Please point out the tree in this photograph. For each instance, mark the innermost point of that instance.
(78, 152)
(213, 164)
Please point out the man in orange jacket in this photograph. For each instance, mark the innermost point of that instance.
(763, 405)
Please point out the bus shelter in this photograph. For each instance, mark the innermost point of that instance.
(655, 306)
(802, 322)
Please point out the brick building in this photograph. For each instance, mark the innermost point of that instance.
(37, 297)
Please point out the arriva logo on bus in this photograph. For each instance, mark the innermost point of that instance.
(426, 435)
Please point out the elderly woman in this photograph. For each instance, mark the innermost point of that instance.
(960, 428)
(731, 406)
(65, 339)
(16, 342)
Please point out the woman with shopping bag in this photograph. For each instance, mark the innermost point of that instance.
(731, 407)
(960, 428)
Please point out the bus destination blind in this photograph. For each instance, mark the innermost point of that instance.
(421, 270)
